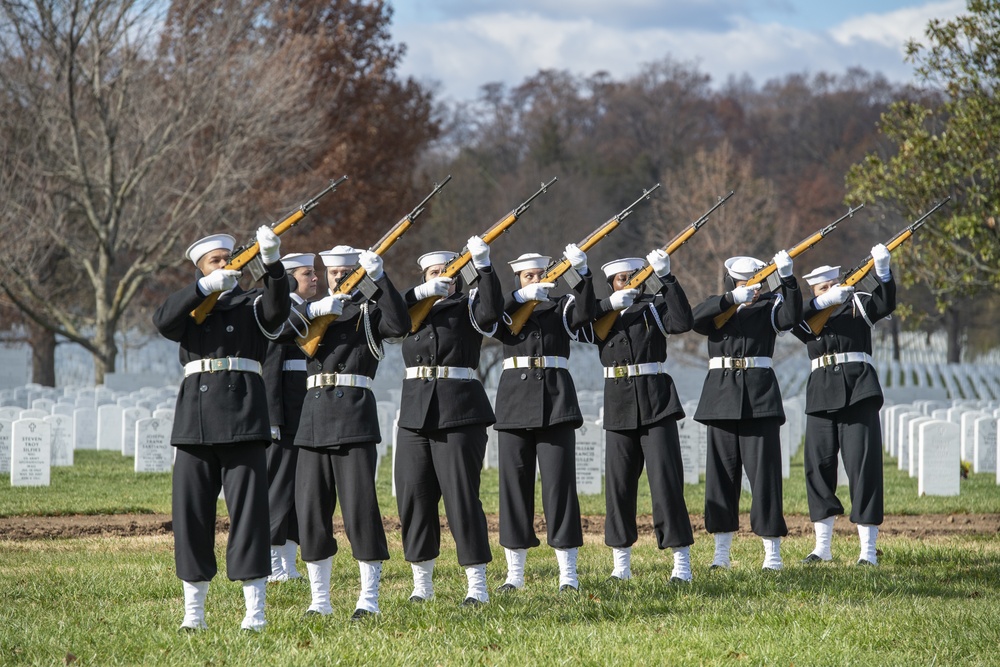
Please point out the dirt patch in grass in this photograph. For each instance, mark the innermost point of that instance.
(136, 525)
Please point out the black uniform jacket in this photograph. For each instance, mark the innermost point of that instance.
(285, 389)
(447, 338)
(636, 338)
(226, 406)
(752, 393)
(334, 416)
(838, 386)
(536, 398)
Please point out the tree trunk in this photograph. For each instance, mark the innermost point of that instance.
(43, 354)
(894, 333)
(953, 324)
(104, 360)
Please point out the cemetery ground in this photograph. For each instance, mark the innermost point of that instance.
(100, 589)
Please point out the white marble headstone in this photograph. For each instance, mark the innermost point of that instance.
(967, 437)
(129, 417)
(939, 459)
(689, 449)
(589, 452)
(85, 428)
(913, 440)
(984, 457)
(61, 428)
(31, 453)
(5, 442)
(109, 427)
(153, 452)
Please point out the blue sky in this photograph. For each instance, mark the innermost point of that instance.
(461, 45)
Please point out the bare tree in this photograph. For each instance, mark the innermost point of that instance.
(748, 224)
(122, 152)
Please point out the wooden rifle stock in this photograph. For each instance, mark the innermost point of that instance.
(520, 316)
(602, 327)
(421, 309)
(245, 256)
(318, 326)
(799, 248)
(858, 273)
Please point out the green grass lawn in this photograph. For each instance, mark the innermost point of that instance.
(108, 601)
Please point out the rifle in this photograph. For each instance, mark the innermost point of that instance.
(603, 325)
(421, 309)
(556, 270)
(247, 253)
(358, 277)
(768, 272)
(861, 271)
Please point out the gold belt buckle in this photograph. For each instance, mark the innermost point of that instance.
(737, 362)
(431, 372)
(218, 365)
(829, 359)
(536, 362)
(621, 372)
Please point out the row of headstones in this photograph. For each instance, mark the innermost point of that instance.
(930, 439)
(974, 381)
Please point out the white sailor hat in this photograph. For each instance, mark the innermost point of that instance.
(340, 255)
(630, 264)
(435, 258)
(822, 274)
(743, 268)
(529, 260)
(198, 249)
(298, 260)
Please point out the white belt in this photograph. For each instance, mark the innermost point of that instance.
(630, 370)
(440, 372)
(226, 364)
(739, 362)
(338, 380)
(840, 358)
(294, 365)
(535, 362)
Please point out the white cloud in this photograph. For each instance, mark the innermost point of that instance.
(466, 53)
(893, 29)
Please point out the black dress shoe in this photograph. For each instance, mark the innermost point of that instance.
(471, 602)
(416, 599)
(361, 614)
(615, 580)
(862, 561)
(811, 558)
(506, 588)
(311, 612)
(567, 588)
(677, 580)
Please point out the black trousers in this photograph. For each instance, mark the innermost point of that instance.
(658, 447)
(856, 432)
(429, 466)
(347, 472)
(755, 445)
(555, 450)
(200, 472)
(281, 459)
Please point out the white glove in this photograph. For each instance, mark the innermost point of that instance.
(881, 256)
(534, 292)
(480, 252)
(660, 261)
(270, 245)
(744, 294)
(836, 295)
(328, 305)
(220, 280)
(371, 263)
(576, 257)
(783, 261)
(622, 299)
(275, 433)
(433, 287)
